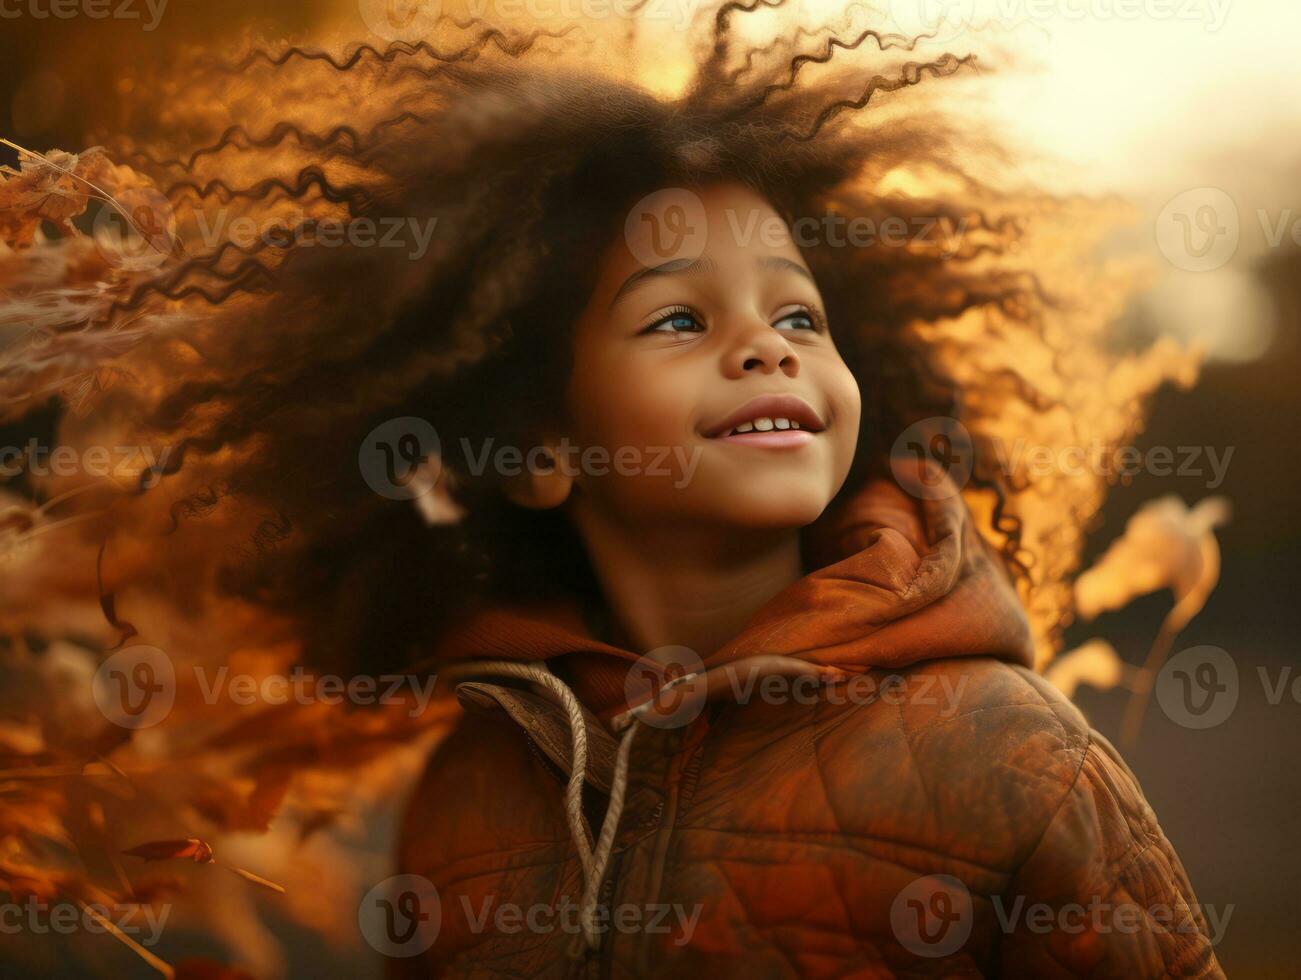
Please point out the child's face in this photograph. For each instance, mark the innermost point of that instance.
(671, 362)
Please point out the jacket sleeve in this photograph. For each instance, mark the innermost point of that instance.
(1103, 893)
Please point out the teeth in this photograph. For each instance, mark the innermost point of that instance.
(764, 425)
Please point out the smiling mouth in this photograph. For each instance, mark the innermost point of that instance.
(771, 439)
(770, 433)
(771, 421)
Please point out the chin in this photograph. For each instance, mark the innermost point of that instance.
(774, 510)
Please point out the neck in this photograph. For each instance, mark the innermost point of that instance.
(685, 586)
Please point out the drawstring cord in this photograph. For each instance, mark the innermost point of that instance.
(595, 859)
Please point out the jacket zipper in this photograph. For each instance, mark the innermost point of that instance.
(683, 773)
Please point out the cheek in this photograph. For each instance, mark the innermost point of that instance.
(621, 403)
(847, 404)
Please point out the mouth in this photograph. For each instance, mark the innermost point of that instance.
(771, 421)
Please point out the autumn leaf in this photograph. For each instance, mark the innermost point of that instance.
(162, 850)
(1094, 663)
(1166, 545)
(198, 851)
(46, 189)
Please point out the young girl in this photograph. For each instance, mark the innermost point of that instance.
(898, 823)
(748, 687)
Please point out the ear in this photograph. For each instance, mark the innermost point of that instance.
(542, 483)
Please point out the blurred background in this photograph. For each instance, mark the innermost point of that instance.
(1191, 110)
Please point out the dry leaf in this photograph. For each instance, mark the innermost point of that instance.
(162, 850)
(1095, 663)
(1165, 545)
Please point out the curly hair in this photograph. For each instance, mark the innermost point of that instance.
(271, 360)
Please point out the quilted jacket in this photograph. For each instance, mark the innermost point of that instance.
(917, 802)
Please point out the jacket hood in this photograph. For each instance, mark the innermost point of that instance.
(900, 580)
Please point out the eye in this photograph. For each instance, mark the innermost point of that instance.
(679, 319)
(801, 319)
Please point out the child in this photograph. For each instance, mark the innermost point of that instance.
(748, 692)
(770, 836)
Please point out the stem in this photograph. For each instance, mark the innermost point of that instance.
(160, 965)
(1146, 676)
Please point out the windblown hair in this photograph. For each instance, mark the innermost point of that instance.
(267, 363)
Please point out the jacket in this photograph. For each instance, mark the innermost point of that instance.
(868, 781)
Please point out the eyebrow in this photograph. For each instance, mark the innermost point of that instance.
(701, 265)
(778, 263)
(694, 268)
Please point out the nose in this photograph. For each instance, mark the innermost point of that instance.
(759, 348)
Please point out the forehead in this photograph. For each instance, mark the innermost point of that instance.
(728, 224)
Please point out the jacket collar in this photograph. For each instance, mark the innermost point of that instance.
(901, 581)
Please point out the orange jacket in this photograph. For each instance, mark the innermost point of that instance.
(867, 781)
